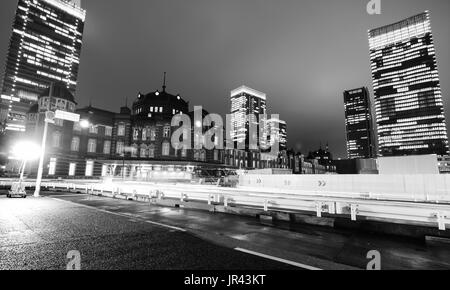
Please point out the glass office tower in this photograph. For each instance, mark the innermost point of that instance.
(45, 47)
(246, 102)
(358, 124)
(408, 101)
(278, 132)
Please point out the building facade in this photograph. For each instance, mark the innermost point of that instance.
(277, 133)
(134, 144)
(60, 133)
(359, 124)
(45, 47)
(408, 101)
(137, 143)
(245, 102)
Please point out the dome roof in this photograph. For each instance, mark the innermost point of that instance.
(158, 96)
(59, 91)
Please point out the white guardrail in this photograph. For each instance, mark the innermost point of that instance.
(351, 205)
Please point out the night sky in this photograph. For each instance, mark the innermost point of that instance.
(302, 53)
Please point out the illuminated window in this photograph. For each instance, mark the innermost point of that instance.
(108, 131)
(104, 170)
(166, 132)
(151, 151)
(144, 151)
(144, 134)
(75, 145)
(121, 130)
(72, 169)
(92, 146)
(89, 168)
(166, 149)
(152, 134)
(120, 147)
(107, 147)
(196, 155)
(135, 134)
(52, 167)
(93, 129)
(134, 150)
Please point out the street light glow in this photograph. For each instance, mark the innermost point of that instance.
(26, 151)
(84, 124)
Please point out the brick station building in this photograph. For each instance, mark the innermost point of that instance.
(134, 144)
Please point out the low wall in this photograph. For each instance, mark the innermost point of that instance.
(408, 187)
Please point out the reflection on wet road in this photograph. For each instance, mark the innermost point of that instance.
(321, 247)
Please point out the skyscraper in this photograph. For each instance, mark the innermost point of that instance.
(358, 124)
(45, 47)
(408, 100)
(246, 102)
(278, 132)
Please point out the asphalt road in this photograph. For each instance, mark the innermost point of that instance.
(38, 234)
(118, 234)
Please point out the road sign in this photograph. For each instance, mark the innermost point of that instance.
(67, 116)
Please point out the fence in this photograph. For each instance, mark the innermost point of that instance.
(351, 205)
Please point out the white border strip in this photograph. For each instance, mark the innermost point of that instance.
(278, 259)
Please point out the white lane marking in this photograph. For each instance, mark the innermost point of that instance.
(122, 215)
(278, 259)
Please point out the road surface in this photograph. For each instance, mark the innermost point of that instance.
(118, 234)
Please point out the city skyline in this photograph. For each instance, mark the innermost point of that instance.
(313, 111)
(220, 137)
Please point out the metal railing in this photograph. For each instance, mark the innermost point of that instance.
(331, 204)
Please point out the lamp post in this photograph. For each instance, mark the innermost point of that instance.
(49, 118)
(24, 151)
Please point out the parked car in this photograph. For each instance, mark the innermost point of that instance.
(17, 190)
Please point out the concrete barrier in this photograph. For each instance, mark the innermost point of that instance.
(355, 206)
(434, 188)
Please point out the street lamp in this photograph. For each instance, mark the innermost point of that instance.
(25, 151)
(49, 118)
(85, 124)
